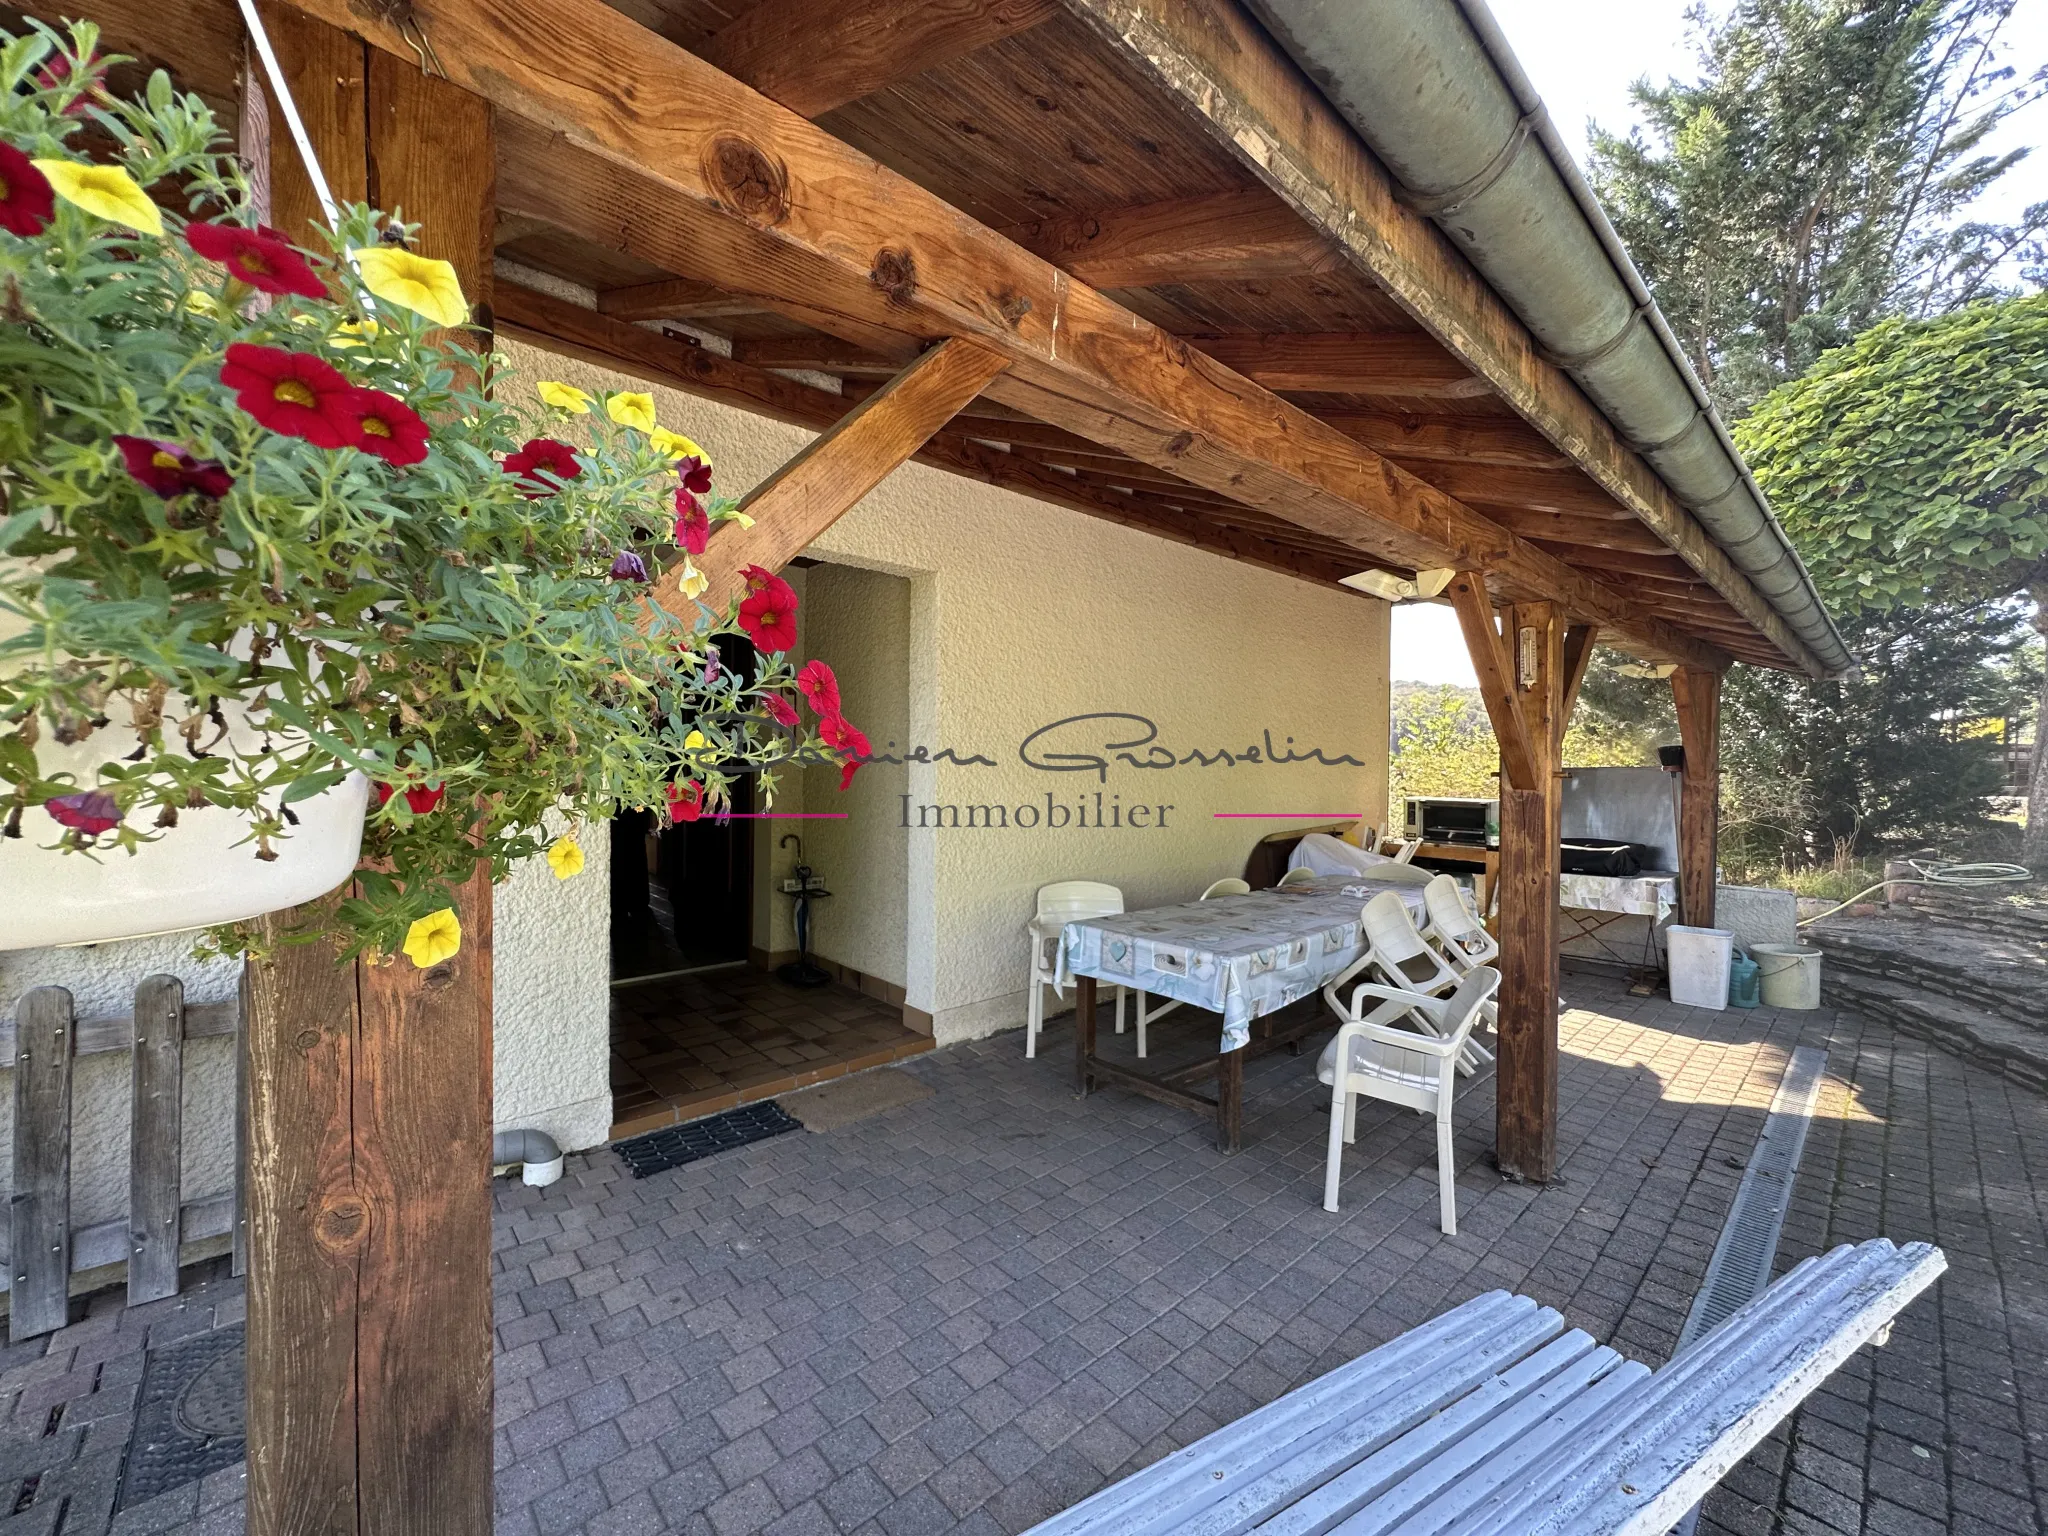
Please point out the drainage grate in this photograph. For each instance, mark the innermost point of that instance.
(1741, 1266)
(190, 1418)
(661, 1150)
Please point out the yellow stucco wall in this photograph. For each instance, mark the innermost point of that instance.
(1011, 614)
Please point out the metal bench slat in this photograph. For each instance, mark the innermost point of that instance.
(1710, 1397)
(1562, 1368)
(1346, 1441)
(1248, 1447)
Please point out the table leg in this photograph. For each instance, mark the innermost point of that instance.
(1230, 1100)
(1084, 1032)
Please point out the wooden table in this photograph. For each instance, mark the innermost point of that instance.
(1245, 958)
(1488, 860)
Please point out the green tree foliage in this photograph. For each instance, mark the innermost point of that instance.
(1816, 177)
(1912, 468)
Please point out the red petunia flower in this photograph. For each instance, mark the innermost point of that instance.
(261, 257)
(693, 523)
(540, 454)
(819, 687)
(385, 426)
(91, 811)
(53, 76)
(842, 735)
(26, 201)
(420, 800)
(779, 709)
(695, 474)
(170, 470)
(294, 393)
(384, 794)
(761, 579)
(769, 618)
(685, 801)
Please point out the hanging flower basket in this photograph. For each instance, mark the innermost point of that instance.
(293, 575)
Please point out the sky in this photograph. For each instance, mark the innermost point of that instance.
(1583, 71)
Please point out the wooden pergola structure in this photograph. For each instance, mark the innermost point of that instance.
(1119, 255)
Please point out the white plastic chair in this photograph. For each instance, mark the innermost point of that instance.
(1454, 928)
(1064, 902)
(1396, 953)
(1300, 876)
(1406, 852)
(1372, 1058)
(1230, 886)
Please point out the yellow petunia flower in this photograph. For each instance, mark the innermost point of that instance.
(629, 409)
(565, 858)
(421, 284)
(354, 333)
(694, 580)
(696, 741)
(104, 191)
(676, 446)
(566, 397)
(434, 938)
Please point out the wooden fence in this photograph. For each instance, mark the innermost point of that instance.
(44, 1250)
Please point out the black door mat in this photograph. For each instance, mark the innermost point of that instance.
(190, 1420)
(676, 1145)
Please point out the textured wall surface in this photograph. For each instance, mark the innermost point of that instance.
(551, 993)
(1022, 614)
(860, 626)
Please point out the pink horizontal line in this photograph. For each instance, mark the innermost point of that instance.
(783, 816)
(1285, 815)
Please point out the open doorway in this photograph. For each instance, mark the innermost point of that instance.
(703, 915)
(683, 896)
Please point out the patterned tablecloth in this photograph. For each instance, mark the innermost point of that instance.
(1240, 956)
(1648, 895)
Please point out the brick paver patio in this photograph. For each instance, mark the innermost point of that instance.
(964, 1314)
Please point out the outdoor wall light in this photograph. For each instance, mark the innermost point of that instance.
(1399, 589)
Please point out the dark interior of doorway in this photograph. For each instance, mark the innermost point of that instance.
(682, 896)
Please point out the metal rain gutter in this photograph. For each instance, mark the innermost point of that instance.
(1434, 90)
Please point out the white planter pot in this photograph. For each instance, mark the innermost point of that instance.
(194, 875)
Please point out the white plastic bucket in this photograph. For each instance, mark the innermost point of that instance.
(1791, 974)
(1700, 961)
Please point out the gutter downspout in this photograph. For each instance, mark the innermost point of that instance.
(1434, 90)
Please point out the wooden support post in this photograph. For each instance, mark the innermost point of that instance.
(1521, 679)
(1697, 694)
(821, 484)
(1084, 1033)
(1579, 640)
(368, 1106)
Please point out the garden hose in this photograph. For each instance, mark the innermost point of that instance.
(1938, 872)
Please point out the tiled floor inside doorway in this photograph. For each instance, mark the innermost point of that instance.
(687, 1046)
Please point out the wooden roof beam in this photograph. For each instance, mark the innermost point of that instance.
(1409, 363)
(1230, 74)
(559, 326)
(1249, 233)
(1406, 436)
(611, 132)
(814, 55)
(675, 298)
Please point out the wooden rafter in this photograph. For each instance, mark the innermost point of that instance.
(1244, 234)
(821, 484)
(673, 298)
(1409, 363)
(1407, 437)
(814, 55)
(559, 326)
(1492, 661)
(1536, 490)
(1232, 75)
(648, 149)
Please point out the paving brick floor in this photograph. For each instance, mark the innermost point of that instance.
(968, 1312)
